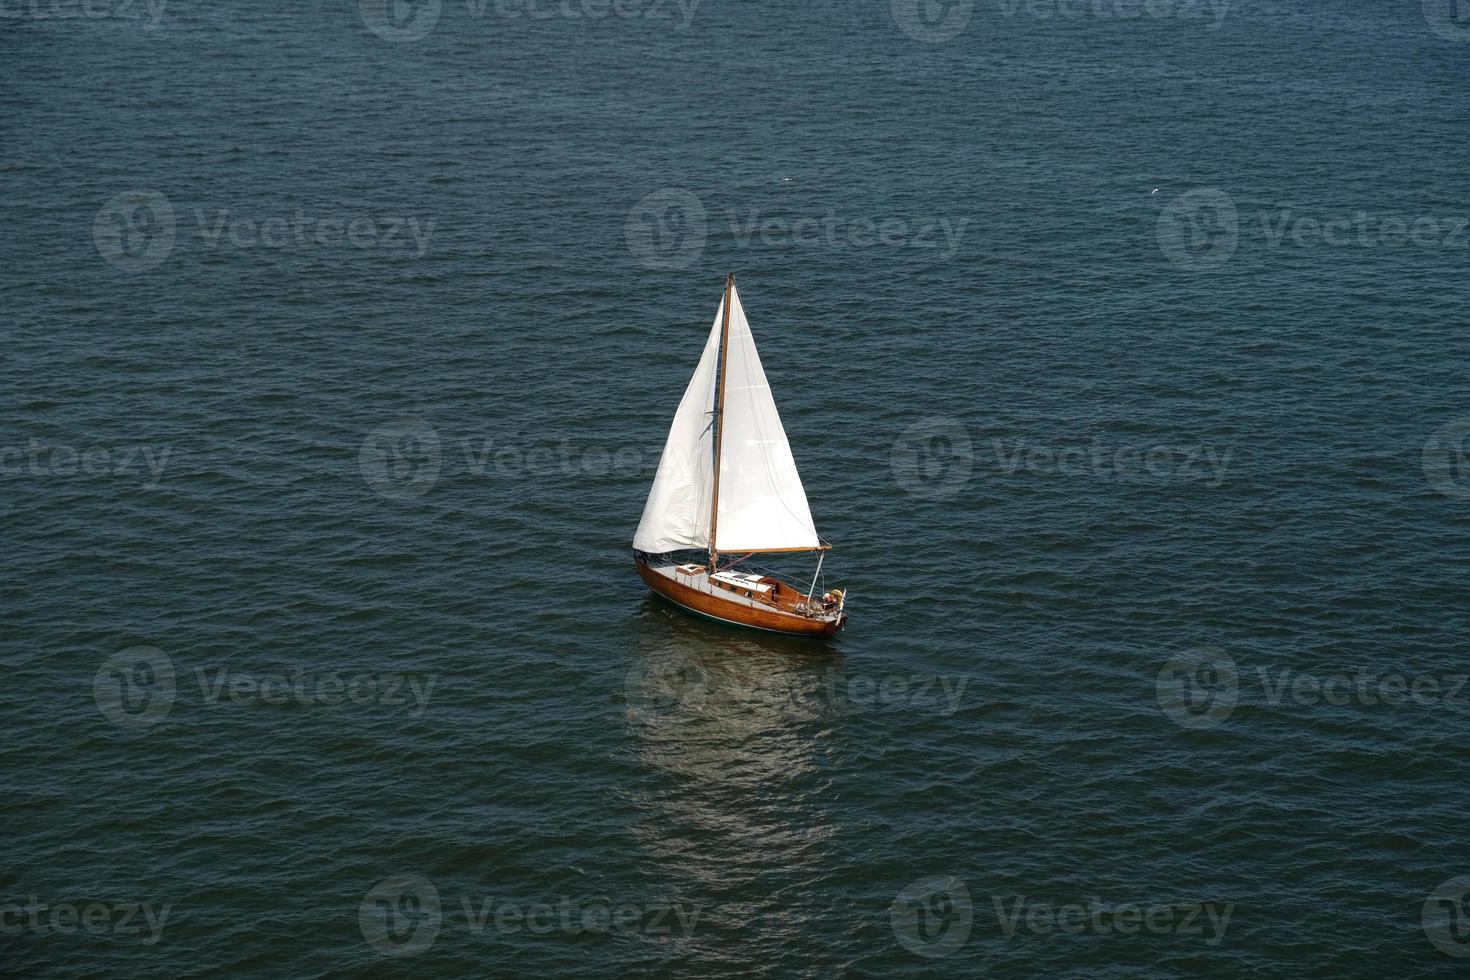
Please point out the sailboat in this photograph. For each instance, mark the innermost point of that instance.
(727, 485)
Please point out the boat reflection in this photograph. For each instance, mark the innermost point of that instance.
(736, 735)
(691, 678)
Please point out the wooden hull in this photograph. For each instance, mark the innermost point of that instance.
(734, 613)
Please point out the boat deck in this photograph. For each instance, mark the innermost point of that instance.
(701, 582)
(753, 591)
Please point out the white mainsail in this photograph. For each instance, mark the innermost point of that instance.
(762, 505)
(677, 512)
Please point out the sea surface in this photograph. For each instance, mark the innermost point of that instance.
(1124, 351)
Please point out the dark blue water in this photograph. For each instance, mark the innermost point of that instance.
(1123, 351)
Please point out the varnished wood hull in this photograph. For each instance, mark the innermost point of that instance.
(734, 613)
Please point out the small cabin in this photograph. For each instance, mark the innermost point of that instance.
(757, 587)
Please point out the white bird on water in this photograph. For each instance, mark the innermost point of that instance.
(1153, 192)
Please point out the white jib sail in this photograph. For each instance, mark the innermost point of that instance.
(762, 504)
(677, 512)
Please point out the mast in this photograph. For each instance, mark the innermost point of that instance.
(714, 506)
